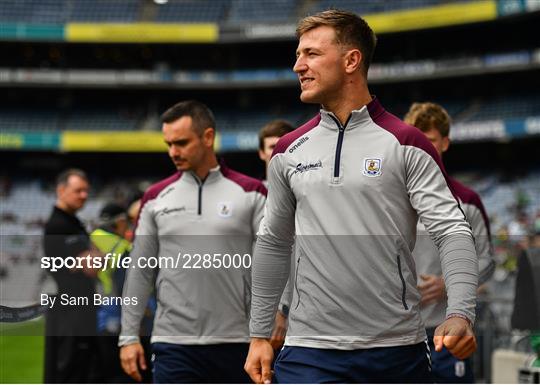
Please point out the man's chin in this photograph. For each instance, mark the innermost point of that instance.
(308, 97)
(77, 207)
(181, 167)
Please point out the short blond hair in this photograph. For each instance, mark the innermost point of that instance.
(428, 116)
(351, 31)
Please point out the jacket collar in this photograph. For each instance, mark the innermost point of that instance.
(358, 118)
(213, 176)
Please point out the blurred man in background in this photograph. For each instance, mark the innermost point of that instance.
(434, 122)
(70, 344)
(204, 210)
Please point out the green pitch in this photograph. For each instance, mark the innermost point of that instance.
(21, 352)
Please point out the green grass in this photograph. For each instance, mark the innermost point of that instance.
(21, 352)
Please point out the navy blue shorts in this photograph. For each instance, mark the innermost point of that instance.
(447, 369)
(220, 363)
(399, 364)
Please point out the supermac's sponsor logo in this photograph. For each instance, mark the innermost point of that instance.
(167, 210)
(301, 167)
(372, 167)
(300, 142)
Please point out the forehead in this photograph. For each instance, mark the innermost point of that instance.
(179, 128)
(270, 141)
(317, 37)
(433, 133)
(75, 181)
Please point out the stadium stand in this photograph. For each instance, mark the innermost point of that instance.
(264, 10)
(517, 106)
(63, 11)
(123, 119)
(103, 10)
(34, 11)
(219, 11)
(19, 119)
(113, 120)
(193, 10)
(369, 7)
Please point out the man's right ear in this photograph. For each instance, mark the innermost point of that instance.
(353, 60)
(209, 136)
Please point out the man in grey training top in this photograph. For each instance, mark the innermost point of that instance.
(205, 217)
(433, 120)
(351, 184)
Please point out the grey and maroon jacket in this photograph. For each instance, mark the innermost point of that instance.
(182, 215)
(426, 253)
(352, 194)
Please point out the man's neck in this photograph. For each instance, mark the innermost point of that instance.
(204, 169)
(353, 97)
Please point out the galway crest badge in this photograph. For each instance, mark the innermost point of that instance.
(372, 167)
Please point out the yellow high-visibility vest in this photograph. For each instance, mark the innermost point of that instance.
(112, 243)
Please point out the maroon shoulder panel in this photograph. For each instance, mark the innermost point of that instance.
(153, 191)
(246, 182)
(286, 140)
(406, 135)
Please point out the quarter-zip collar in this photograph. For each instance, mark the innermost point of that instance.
(213, 175)
(358, 118)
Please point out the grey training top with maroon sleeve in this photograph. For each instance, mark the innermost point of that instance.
(426, 254)
(198, 303)
(352, 195)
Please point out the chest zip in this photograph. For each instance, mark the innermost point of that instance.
(337, 160)
(200, 183)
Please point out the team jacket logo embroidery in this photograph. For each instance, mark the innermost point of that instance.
(167, 210)
(372, 167)
(307, 167)
(162, 194)
(224, 209)
(298, 144)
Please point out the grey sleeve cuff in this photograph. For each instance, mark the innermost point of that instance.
(127, 340)
(460, 271)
